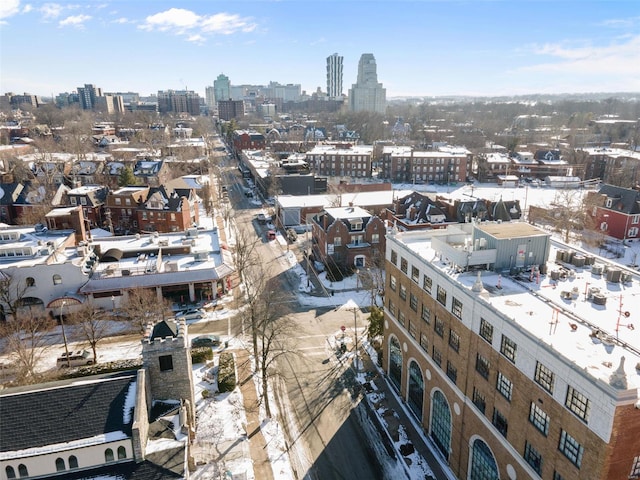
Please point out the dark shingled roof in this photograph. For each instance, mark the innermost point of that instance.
(57, 413)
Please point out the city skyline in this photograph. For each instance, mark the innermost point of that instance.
(422, 48)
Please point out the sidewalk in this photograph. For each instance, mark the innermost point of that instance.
(257, 444)
(395, 417)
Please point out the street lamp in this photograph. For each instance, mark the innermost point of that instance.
(113, 303)
(356, 361)
(64, 336)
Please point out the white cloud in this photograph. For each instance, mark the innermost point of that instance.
(27, 8)
(622, 58)
(196, 27)
(8, 8)
(74, 21)
(122, 20)
(51, 10)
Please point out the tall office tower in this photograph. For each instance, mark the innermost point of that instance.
(222, 88)
(88, 95)
(367, 95)
(334, 76)
(210, 98)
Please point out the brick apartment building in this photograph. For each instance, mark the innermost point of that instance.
(516, 354)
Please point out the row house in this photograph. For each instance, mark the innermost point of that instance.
(615, 211)
(347, 237)
(511, 371)
(121, 208)
(152, 172)
(91, 198)
(334, 161)
(445, 165)
(248, 140)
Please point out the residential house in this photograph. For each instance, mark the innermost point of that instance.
(121, 208)
(248, 140)
(347, 237)
(92, 199)
(10, 194)
(151, 172)
(614, 211)
(168, 210)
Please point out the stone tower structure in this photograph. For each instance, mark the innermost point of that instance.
(367, 95)
(166, 356)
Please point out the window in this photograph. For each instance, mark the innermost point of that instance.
(118, 201)
(403, 292)
(392, 282)
(394, 257)
(571, 449)
(442, 296)
(504, 386)
(401, 318)
(57, 279)
(424, 342)
(454, 340)
(427, 283)
(439, 327)
(375, 238)
(60, 466)
(166, 363)
(577, 403)
(74, 200)
(456, 307)
(412, 329)
(83, 200)
(22, 470)
(404, 265)
(392, 308)
(437, 356)
(122, 452)
(415, 274)
(337, 241)
(73, 461)
(452, 371)
(11, 473)
(539, 418)
(482, 366)
(500, 422)
(173, 217)
(533, 457)
(544, 377)
(479, 400)
(108, 455)
(486, 330)
(557, 476)
(413, 302)
(425, 314)
(635, 468)
(508, 348)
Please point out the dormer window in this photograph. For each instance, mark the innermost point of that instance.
(609, 203)
(74, 200)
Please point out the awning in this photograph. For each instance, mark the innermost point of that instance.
(112, 255)
(68, 300)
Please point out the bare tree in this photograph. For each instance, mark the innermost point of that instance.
(142, 306)
(12, 290)
(93, 325)
(26, 340)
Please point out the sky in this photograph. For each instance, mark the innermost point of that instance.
(421, 47)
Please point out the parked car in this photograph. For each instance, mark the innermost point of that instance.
(271, 235)
(206, 341)
(191, 314)
(76, 359)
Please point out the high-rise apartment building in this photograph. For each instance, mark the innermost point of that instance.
(517, 354)
(88, 95)
(179, 101)
(228, 109)
(334, 76)
(222, 88)
(367, 95)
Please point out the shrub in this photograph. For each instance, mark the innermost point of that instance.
(201, 354)
(205, 394)
(226, 373)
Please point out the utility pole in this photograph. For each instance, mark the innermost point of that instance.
(64, 336)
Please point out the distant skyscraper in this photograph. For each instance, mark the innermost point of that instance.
(334, 76)
(222, 88)
(367, 95)
(178, 101)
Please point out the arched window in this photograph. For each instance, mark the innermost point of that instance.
(122, 452)
(415, 394)
(395, 362)
(60, 465)
(73, 461)
(22, 470)
(483, 464)
(30, 281)
(11, 473)
(57, 279)
(108, 455)
(441, 423)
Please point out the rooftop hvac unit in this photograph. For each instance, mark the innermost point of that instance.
(164, 242)
(171, 267)
(614, 275)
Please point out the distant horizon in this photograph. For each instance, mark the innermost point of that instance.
(423, 48)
